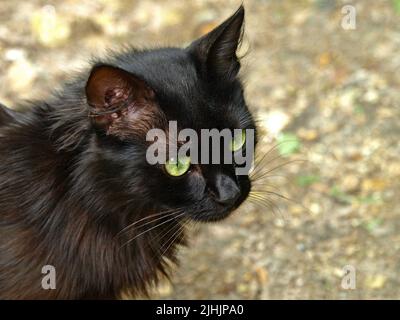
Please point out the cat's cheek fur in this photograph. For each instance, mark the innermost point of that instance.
(133, 121)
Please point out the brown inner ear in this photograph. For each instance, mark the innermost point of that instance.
(117, 99)
(108, 87)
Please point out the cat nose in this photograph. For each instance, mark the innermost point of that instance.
(227, 190)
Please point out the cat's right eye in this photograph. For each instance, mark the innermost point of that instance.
(177, 168)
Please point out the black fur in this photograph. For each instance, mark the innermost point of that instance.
(73, 171)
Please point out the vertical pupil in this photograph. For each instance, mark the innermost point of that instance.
(178, 166)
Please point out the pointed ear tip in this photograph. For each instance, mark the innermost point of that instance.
(241, 10)
(238, 16)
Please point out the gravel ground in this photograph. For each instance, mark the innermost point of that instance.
(326, 98)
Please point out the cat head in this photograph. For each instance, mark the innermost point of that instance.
(198, 87)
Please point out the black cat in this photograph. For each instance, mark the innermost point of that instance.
(76, 191)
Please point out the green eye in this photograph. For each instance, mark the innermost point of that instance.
(177, 168)
(238, 141)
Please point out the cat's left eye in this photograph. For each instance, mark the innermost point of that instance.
(238, 141)
(177, 168)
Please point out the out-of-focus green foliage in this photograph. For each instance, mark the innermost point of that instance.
(307, 180)
(396, 4)
(288, 144)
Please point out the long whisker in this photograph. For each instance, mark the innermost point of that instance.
(169, 232)
(270, 162)
(277, 167)
(158, 240)
(255, 174)
(259, 196)
(259, 162)
(255, 182)
(173, 238)
(152, 228)
(257, 166)
(164, 214)
(272, 193)
(258, 184)
(265, 203)
(269, 204)
(274, 147)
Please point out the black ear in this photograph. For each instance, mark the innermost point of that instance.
(216, 51)
(113, 93)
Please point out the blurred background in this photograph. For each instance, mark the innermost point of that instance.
(324, 90)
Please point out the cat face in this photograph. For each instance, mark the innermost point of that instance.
(198, 88)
